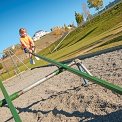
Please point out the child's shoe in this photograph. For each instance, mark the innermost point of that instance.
(32, 61)
(37, 58)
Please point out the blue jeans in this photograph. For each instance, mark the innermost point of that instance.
(25, 50)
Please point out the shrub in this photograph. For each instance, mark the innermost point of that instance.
(1, 66)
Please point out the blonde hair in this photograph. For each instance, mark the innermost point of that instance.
(21, 30)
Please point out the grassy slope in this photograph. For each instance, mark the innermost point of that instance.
(100, 33)
(89, 35)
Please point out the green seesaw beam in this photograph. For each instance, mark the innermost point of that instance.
(63, 67)
(17, 94)
(103, 83)
(10, 104)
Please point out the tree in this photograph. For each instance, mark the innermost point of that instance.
(95, 4)
(86, 12)
(79, 18)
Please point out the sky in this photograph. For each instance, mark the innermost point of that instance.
(35, 15)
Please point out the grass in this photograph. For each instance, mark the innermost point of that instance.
(88, 35)
(102, 32)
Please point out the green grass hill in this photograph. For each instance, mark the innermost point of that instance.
(102, 32)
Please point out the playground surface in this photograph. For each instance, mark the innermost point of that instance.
(64, 99)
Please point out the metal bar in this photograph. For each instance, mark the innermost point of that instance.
(85, 81)
(60, 42)
(17, 94)
(17, 71)
(103, 83)
(81, 67)
(85, 69)
(19, 59)
(10, 104)
(21, 62)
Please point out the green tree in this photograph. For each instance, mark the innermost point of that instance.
(95, 4)
(79, 18)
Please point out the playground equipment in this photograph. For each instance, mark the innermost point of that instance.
(11, 106)
(60, 42)
(56, 72)
(82, 68)
(8, 99)
(21, 62)
(62, 67)
(17, 71)
(103, 83)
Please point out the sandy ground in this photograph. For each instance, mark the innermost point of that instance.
(64, 99)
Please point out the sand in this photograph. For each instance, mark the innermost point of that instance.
(64, 99)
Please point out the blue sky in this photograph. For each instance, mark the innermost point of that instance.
(35, 15)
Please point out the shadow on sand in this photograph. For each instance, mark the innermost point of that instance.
(83, 116)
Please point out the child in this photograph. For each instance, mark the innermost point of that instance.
(27, 44)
